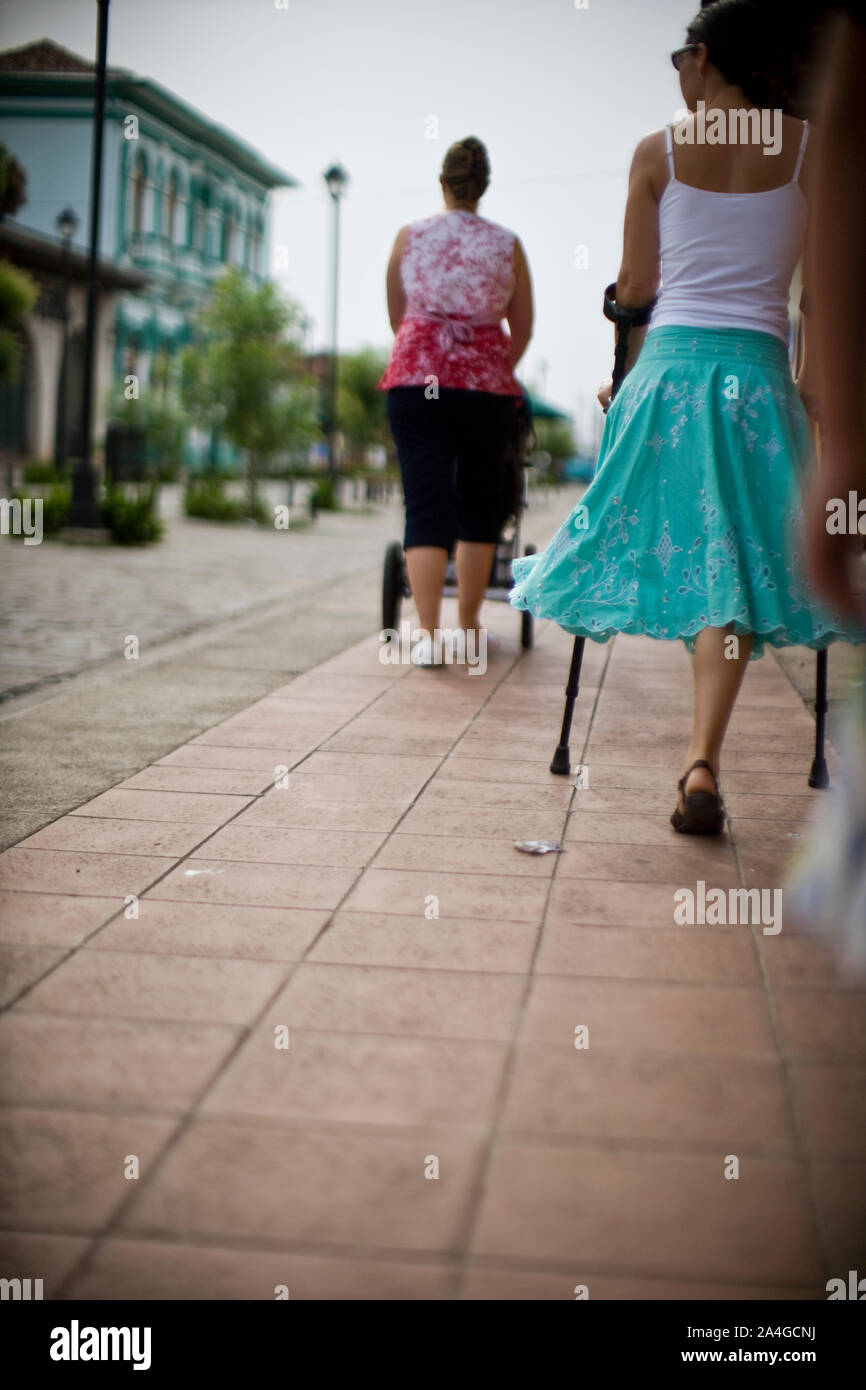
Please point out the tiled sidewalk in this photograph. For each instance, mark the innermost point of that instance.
(416, 1040)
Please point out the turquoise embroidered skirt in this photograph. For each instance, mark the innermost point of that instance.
(693, 516)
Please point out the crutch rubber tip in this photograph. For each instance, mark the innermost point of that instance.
(819, 776)
(561, 764)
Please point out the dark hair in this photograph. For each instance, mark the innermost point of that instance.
(466, 169)
(744, 42)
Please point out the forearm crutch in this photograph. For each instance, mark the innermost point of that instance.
(819, 775)
(624, 320)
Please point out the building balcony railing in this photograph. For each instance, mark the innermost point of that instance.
(150, 251)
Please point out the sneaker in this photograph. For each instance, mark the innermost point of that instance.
(426, 653)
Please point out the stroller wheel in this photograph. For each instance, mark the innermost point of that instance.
(393, 586)
(526, 619)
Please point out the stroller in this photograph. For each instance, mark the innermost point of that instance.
(395, 582)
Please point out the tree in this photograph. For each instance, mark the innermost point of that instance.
(246, 375)
(18, 294)
(157, 413)
(360, 406)
(18, 291)
(556, 437)
(13, 183)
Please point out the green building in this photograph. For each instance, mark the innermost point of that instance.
(183, 199)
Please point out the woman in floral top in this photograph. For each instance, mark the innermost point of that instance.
(452, 279)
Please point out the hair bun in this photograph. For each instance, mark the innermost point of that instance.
(466, 169)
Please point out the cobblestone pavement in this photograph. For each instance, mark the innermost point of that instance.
(258, 607)
(66, 607)
(337, 1020)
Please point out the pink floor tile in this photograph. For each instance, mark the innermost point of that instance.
(334, 1186)
(63, 1171)
(255, 885)
(145, 1270)
(198, 808)
(205, 929)
(419, 1003)
(382, 938)
(127, 1064)
(652, 1214)
(729, 1020)
(50, 919)
(367, 1079)
(113, 984)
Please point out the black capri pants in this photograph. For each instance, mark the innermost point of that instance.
(453, 453)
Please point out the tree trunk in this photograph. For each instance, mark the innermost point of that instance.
(252, 481)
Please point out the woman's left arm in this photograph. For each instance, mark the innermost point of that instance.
(394, 281)
(519, 313)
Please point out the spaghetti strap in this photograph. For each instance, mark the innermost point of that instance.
(670, 149)
(802, 151)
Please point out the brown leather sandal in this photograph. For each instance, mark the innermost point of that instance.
(703, 813)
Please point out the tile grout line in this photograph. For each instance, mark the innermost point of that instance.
(415, 1256)
(250, 800)
(88, 1255)
(86, 1259)
(785, 1067)
(476, 1195)
(464, 1256)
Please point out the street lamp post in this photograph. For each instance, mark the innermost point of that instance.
(336, 179)
(67, 226)
(84, 511)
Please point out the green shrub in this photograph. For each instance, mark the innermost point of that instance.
(56, 502)
(207, 499)
(325, 497)
(36, 472)
(132, 518)
(168, 471)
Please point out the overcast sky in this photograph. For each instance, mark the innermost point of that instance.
(559, 90)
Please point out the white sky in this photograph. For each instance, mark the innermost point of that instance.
(560, 94)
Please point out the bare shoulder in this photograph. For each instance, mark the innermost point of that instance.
(401, 239)
(650, 148)
(649, 162)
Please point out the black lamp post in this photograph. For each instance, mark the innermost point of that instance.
(84, 511)
(67, 226)
(336, 178)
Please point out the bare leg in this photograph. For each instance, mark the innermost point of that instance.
(717, 679)
(474, 559)
(426, 565)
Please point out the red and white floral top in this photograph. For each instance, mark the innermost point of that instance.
(458, 273)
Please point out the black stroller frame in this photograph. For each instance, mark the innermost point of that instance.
(395, 581)
(624, 320)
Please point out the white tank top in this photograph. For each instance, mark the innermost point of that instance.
(728, 259)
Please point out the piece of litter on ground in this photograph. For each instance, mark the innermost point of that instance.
(188, 873)
(538, 846)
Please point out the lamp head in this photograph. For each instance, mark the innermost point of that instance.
(67, 224)
(336, 178)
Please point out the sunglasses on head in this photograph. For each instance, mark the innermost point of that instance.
(679, 54)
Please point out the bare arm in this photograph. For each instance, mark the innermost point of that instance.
(805, 361)
(639, 273)
(519, 313)
(839, 290)
(394, 281)
(839, 276)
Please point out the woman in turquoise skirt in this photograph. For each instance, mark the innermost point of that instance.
(690, 527)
